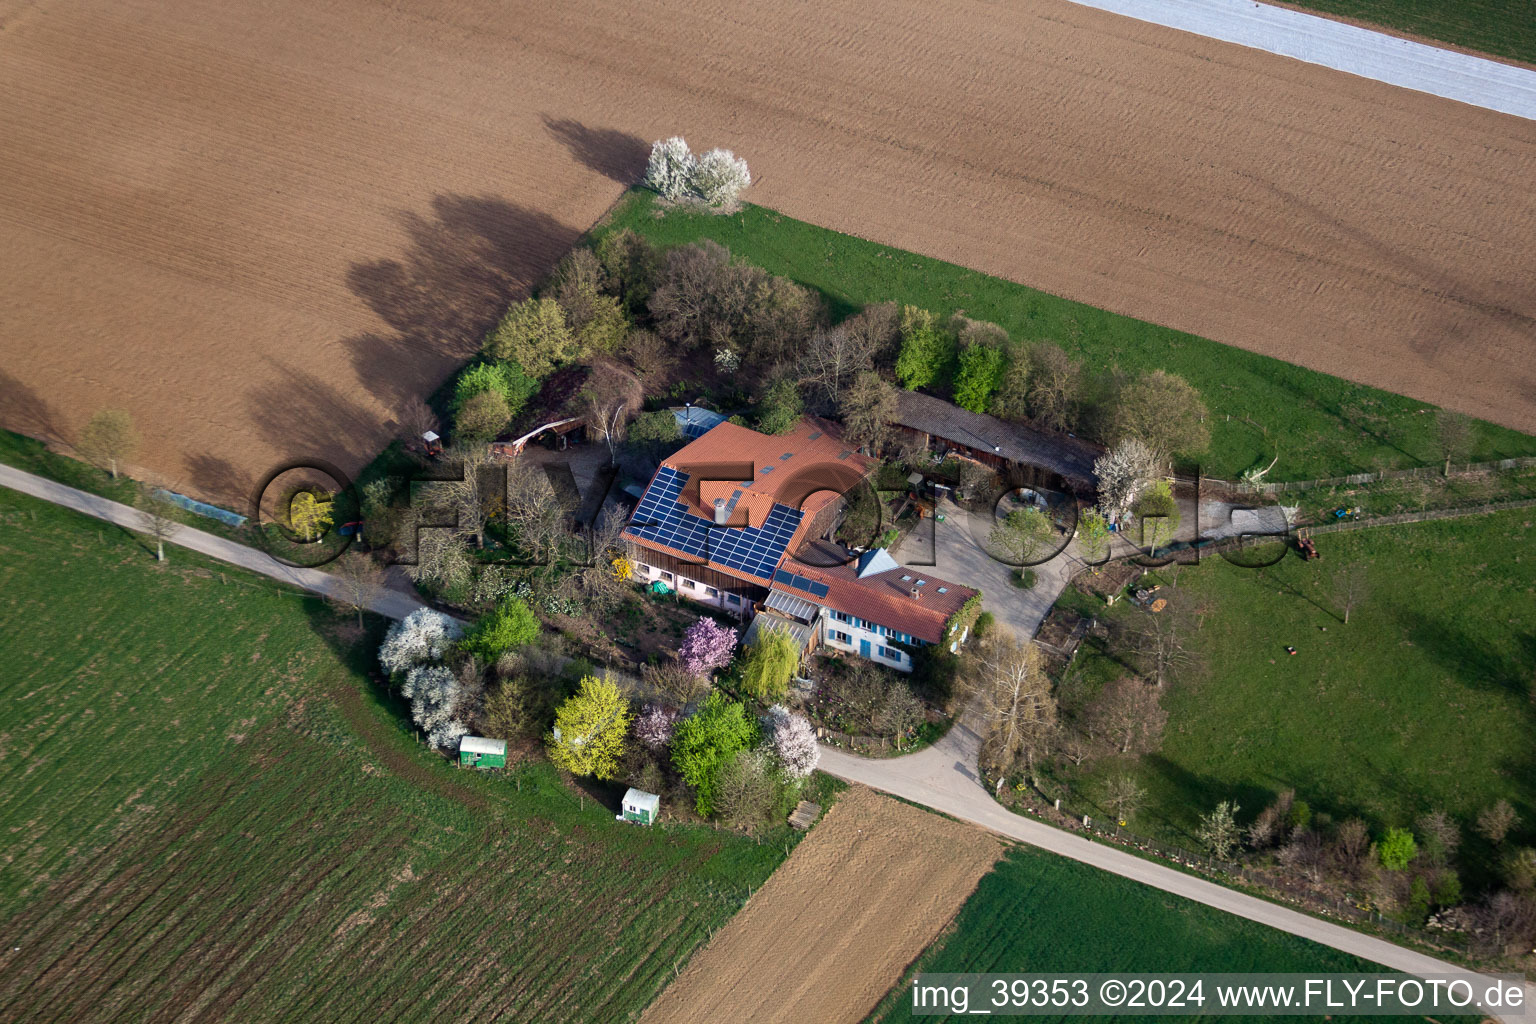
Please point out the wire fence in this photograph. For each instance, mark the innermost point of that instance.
(1356, 479)
(1256, 878)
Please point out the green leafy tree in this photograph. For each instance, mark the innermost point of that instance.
(630, 265)
(1397, 849)
(654, 434)
(588, 738)
(1093, 536)
(708, 739)
(1011, 402)
(108, 440)
(510, 625)
(780, 408)
(769, 664)
(504, 378)
(1159, 514)
(1021, 534)
(927, 350)
(308, 515)
(1162, 409)
(534, 334)
(981, 372)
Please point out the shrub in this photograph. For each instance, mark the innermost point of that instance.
(533, 334)
(744, 788)
(984, 623)
(511, 625)
(506, 379)
(1397, 849)
(708, 739)
(588, 738)
(780, 408)
(707, 647)
(670, 167)
(481, 418)
(1163, 410)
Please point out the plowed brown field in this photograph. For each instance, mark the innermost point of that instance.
(258, 225)
(833, 928)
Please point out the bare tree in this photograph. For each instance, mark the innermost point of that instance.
(476, 495)
(159, 512)
(1014, 697)
(1124, 796)
(1439, 836)
(1453, 435)
(1055, 386)
(417, 417)
(1162, 642)
(1123, 473)
(675, 683)
(1351, 584)
(868, 408)
(361, 578)
(1354, 840)
(108, 439)
(1130, 714)
(830, 362)
(1494, 823)
(535, 510)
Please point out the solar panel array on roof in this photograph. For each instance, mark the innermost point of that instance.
(661, 519)
(789, 579)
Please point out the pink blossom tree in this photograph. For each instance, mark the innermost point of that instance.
(707, 647)
(655, 726)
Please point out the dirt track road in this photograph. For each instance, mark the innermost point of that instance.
(259, 226)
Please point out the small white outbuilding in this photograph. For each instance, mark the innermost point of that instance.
(640, 807)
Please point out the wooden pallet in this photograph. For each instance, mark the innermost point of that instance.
(805, 815)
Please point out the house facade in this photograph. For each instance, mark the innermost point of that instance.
(740, 520)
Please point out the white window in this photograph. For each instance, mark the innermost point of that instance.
(711, 592)
(891, 654)
(666, 576)
(643, 568)
(683, 581)
(842, 638)
(732, 599)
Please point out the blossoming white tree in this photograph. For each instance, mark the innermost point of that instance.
(795, 742)
(434, 691)
(1123, 472)
(719, 177)
(670, 168)
(422, 636)
(716, 178)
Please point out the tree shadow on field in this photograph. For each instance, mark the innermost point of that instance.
(26, 413)
(466, 262)
(304, 418)
(614, 154)
(221, 481)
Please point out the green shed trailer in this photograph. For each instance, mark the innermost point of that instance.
(640, 807)
(479, 752)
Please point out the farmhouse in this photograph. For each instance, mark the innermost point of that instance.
(1027, 456)
(742, 521)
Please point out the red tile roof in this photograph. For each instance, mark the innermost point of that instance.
(884, 597)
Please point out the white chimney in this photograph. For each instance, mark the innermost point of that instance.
(916, 594)
(720, 515)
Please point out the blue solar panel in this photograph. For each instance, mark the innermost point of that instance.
(800, 583)
(754, 550)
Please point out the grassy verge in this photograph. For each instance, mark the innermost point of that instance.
(1329, 426)
(1424, 700)
(1503, 28)
(204, 788)
(1038, 913)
